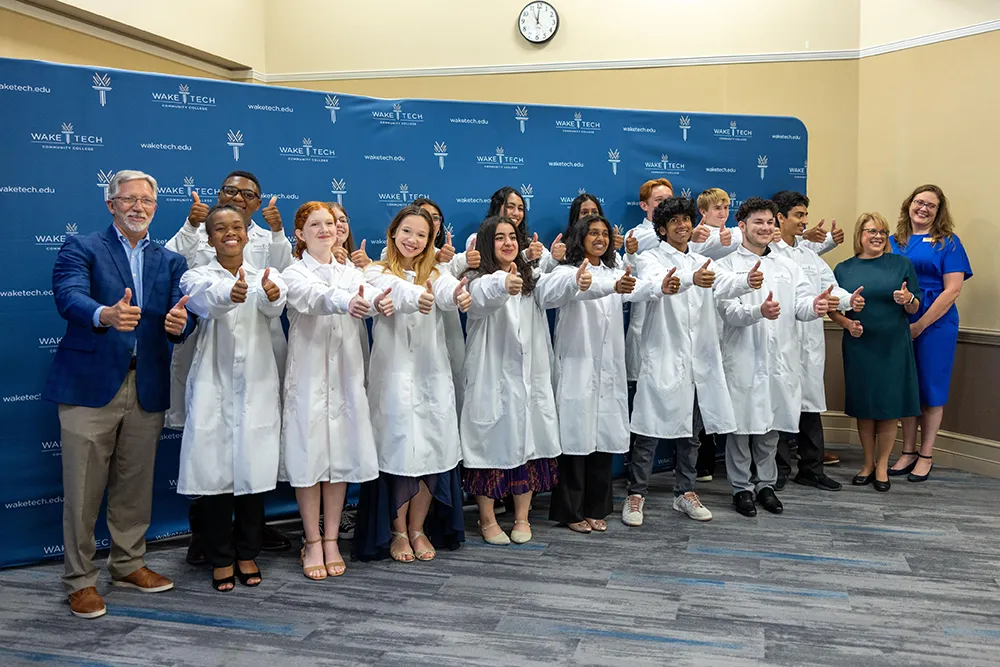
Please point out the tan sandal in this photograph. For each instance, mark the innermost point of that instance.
(400, 555)
(424, 554)
(311, 569)
(334, 563)
(520, 536)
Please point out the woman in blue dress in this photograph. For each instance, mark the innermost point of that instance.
(926, 235)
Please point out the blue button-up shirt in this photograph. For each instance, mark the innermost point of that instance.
(135, 256)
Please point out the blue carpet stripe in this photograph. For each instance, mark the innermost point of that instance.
(187, 618)
(780, 555)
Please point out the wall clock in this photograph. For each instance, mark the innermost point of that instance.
(538, 22)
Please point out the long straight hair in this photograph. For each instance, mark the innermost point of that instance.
(349, 241)
(488, 262)
(576, 252)
(423, 264)
(497, 202)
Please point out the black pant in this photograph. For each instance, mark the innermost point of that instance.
(584, 489)
(811, 447)
(711, 444)
(231, 527)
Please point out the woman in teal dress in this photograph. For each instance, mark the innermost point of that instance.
(925, 235)
(880, 374)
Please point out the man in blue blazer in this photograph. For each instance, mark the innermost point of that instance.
(120, 294)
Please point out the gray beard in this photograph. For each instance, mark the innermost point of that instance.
(138, 229)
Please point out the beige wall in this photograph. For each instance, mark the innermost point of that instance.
(25, 37)
(885, 21)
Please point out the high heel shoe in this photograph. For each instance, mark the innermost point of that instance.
(334, 563)
(906, 470)
(921, 478)
(863, 480)
(312, 569)
(245, 577)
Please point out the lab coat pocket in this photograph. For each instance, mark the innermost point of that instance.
(576, 379)
(484, 401)
(428, 399)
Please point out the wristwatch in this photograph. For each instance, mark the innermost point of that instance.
(912, 297)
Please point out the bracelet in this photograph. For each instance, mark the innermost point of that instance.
(912, 297)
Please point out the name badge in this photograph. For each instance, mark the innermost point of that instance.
(928, 239)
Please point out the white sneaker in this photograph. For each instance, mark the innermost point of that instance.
(691, 505)
(632, 510)
(707, 477)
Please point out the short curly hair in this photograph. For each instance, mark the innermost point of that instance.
(753, 205)
(670, 207)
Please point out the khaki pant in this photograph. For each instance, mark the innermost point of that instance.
(111, 447)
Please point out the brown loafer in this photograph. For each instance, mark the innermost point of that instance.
(87, 603)
(145, 580)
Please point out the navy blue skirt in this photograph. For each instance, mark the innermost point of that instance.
(381, 498)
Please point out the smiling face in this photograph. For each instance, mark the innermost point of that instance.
(595, 243)
(320, 232)
(435, 217)
(412, 236)
(656, 195)
(242, 194)
(758, 229)
(679, 232)
(873, 239)
(513, 208)
(924, 208)
(133, 217)
(227, 233)
(589, 207)
(505, 245)
(796, 221)
(716, 215)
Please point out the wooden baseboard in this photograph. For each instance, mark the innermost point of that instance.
(951, 450)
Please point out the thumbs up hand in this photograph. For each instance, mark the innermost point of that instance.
(176, 318)
(626, 284)
(617, 239)
(535, 248)
(704, 277)
(462, 297)
(198, 212)
(340, 255)
(359, 257)
(383, 303)
(583, 277)
(770, 309)
(631, 243)
(902, 296)
(671, 284)
(473, 258)
(239, 292)
(358, 307)
(755, 279)
(855, 329)
(426, 301)
(447, 251)
(558, 248)
(123, 316)
(821, 304)
(838, 234)
(514, 281)
(272, 291)
(271, 215)
(857, 301)
(726, 236)
(815, 234)
(700, 234)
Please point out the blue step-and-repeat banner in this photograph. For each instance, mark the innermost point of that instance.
(64, 130)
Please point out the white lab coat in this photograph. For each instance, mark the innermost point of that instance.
(264, 249)
(713, 248)
(509, 413)
(647, 239)
(811, 337)
(326, 428)
(590, 385)
(411, 392)
(761, 356)
(232, 435)
(681, 353)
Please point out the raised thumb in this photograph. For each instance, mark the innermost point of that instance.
(628, 270)
(857, 292)
(183, 301)
(430, 286)
(127, 299)
(243, 276)
(362, 248)
(195, 197)
(770, 296)
(513, 269)
(267, 272)
(273, 202)
(534, 239)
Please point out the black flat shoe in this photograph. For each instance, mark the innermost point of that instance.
(769, 501)
(920, 478)
(743, 503)
(780, 484)
(881, 486)
(817, 481)
(908, 469)
(863, 480)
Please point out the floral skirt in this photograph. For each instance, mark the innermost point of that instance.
(537, 476)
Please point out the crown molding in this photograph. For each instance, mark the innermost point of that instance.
(933, 38)
(967, 335)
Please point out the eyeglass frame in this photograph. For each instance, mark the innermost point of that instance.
(147, 202)
(247, 194)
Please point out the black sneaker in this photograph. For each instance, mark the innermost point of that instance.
(817, 481)
(743, 503)
(347, 521)
(769, 501)
(781, 483)
(273, 540)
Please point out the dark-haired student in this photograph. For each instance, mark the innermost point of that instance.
(266, 248)
(231, 442)
(590, 389)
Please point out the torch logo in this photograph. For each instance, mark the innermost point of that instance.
(762, 165)
(614, 160)
(685, 125)
(339, 188)
(333, 104)
(441, 151)
(521, 116)
(235, 139)
(102, 84)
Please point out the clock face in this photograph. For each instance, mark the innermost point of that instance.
(538, 22)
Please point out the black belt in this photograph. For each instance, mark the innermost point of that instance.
(131, 364)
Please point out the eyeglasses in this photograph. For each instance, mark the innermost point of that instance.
(875, 232)
(924, 204)
(130, 201)
(248, 195)
(343, 221)
(436, 218)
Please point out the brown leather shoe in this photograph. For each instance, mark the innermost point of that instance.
(87, 603)
(146, 581)
(830, 459)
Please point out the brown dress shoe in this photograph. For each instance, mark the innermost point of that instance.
(87, 603)
(830, 459)
(146, 581)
